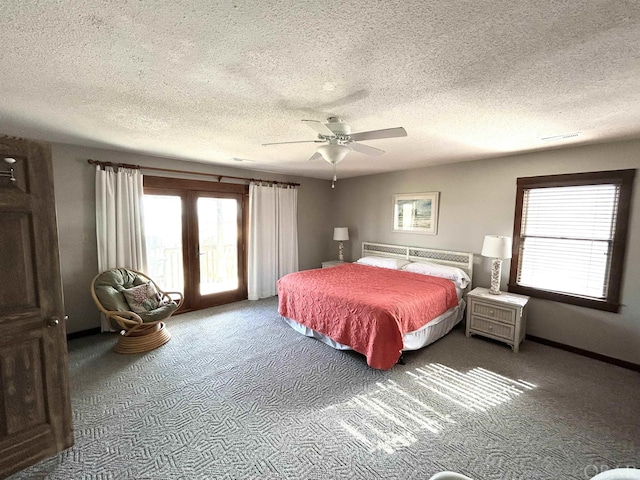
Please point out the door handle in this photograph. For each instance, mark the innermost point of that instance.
(51, 322)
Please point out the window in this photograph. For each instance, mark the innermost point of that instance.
(569, 237)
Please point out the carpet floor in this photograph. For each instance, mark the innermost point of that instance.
(238, 394)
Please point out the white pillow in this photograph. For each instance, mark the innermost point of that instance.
(383, 262)
(457, 276)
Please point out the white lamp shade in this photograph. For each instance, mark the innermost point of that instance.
(341, 234)
(495, 246)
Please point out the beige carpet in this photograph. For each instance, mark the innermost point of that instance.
(238, 394)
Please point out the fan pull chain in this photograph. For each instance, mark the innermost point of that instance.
(335, 177)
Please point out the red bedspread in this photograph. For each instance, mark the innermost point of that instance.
(366, 308)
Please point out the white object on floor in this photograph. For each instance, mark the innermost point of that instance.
(449, 476)
(619, 474)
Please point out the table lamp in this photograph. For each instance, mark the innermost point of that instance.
(341, 234)
(496, 247)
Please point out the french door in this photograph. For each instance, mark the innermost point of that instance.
(195, 235)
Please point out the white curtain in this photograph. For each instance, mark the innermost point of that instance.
(119, 221)
(273, 237)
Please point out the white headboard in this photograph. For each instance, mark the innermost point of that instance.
(462, 260)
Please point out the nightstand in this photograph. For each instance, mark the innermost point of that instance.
(331, 263)
(501, 317)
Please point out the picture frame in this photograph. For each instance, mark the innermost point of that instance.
(416, 213)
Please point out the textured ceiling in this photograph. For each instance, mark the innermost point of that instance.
(209, 81)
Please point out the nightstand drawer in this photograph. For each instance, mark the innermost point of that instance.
(505, 315)
(493, 328)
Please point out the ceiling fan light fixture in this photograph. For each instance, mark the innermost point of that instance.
(333, 153)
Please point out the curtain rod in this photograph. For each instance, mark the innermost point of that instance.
(219, 177)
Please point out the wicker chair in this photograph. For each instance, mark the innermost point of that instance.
(145, 329)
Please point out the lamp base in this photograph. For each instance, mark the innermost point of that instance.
(496, 269)
(341, 251)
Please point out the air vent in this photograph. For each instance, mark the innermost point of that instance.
(236, 159)
(562, 137)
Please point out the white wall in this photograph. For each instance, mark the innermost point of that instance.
(478, 198)
(74, 182)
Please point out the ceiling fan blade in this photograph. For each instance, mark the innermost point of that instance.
(377, 134)
(314, 156)
(320, 127)
(299, 141)
(366, 149)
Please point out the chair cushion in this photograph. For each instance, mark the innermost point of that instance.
(109, 286)
(159, 313)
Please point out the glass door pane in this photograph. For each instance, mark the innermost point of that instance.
(218, 244)
(163, 230)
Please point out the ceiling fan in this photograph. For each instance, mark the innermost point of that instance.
(339, 141)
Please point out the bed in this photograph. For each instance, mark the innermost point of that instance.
(378, 312)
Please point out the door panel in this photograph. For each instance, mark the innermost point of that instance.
(217, 229)
(216, 253)
(15, 242)
(217, 244)
(21, 377)
(35, 408)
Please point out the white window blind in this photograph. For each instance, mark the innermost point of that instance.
(566, 239)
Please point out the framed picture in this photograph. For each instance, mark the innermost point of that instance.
(416, 213)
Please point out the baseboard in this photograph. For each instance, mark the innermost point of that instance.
(586, 353)
(83, 333)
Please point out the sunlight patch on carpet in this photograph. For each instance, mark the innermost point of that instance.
(390, 418)
(477, 390)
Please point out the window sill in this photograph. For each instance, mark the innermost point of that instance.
(604, 305)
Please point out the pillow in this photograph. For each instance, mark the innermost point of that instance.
(457, 276)
(383, 262)
(142, 298)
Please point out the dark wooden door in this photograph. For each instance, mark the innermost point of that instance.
(35, 408)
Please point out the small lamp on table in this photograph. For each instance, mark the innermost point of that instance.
(498, 248)
(341, 234)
